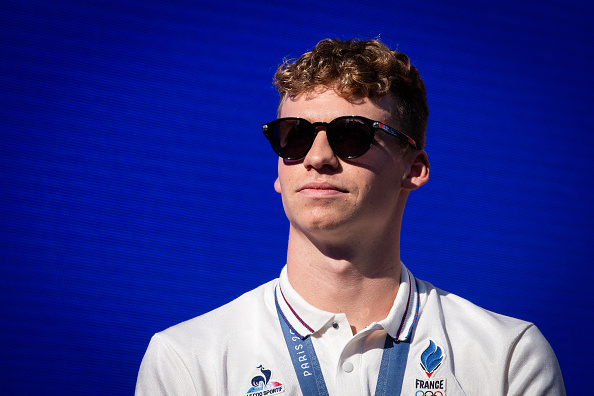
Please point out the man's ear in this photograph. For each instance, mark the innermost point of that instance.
(277, 186)
(418, 174)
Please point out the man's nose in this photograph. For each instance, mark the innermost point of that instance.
(320, 154)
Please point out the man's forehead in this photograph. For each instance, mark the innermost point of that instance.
(326, 104)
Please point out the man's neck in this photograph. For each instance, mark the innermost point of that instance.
(360, 281)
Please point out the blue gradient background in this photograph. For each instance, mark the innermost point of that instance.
(137, 188)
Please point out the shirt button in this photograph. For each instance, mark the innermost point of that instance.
(335, 325)
(347, 366)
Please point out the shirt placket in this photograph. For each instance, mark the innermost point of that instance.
(349, 369)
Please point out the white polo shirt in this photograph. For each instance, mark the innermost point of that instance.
(456, 348)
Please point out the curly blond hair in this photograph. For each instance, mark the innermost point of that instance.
(356, 68)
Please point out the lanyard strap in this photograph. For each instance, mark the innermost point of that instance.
(391, 374)
(305, 361)
(309, 373)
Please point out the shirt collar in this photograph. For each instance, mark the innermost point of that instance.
(402, 318)
(305, 319)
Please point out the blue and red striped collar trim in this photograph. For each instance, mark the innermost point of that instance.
(311, 331)
(413, 302)
(405, 326)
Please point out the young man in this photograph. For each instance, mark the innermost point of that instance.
(346, 317)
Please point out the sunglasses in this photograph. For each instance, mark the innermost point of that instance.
(349, 136)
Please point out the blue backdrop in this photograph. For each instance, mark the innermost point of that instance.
(137, 187)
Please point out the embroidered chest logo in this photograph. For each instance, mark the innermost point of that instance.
(261, 384)
(431, 359)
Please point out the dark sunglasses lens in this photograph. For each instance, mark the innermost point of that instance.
(294, 138)
(350, 137)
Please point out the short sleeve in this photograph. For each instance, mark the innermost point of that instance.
(533, 367)
(163, 372)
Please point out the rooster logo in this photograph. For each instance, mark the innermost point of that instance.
(260, 381)
(261, 384)
(431, 358)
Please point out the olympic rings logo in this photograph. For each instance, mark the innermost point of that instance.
(428, 393)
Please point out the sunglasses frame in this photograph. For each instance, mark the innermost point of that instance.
(268, 130)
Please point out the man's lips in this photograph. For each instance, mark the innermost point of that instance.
(322, 189)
